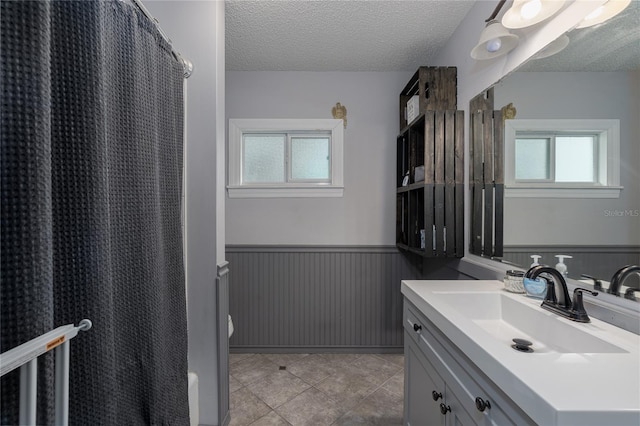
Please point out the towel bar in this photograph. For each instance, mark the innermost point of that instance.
(26, 356)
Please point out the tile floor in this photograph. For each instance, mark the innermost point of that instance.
(316, 389)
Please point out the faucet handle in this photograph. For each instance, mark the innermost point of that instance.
(578, 312)
(579, 290)
(550, 297)
(628, 294)
(597, 283)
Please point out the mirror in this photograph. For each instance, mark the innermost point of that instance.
(596, 77)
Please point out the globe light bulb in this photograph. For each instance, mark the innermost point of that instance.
(494, 45)
(531, 9)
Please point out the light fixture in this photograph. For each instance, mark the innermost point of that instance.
(604, 13)
(525, 13)
(554, 47)
(495, 41)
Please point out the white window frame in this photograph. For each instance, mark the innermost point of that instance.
(333, 188)
(608, 147)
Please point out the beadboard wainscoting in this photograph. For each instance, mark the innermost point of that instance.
(222, 295)
(322, 299)
(598, 261)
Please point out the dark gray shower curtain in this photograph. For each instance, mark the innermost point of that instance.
(91, 172)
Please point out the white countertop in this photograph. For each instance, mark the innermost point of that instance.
(552, 387)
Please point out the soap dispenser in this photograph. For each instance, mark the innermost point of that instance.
(561, 266)
(536, 260)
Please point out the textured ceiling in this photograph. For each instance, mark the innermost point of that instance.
(612, 46)
(338, 35)
(398, 35)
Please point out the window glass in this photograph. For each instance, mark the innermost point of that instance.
(556, 158)
(310, 158)
(532, 159)
(285, 158)
(263, 158)
(575, 159)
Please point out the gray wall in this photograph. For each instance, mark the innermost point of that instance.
(365, 215)
(197, 30)
(595, 95)
(317, 274)
(313, 299)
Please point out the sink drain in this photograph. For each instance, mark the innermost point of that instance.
(522, 345)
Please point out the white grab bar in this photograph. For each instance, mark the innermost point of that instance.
(26, 356)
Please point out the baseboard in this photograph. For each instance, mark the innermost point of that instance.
(227, 419)
(317, 349)
(281, 248)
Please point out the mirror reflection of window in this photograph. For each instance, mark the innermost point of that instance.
(557, 158)
(532, 159)
(576, 156)
(575, 159)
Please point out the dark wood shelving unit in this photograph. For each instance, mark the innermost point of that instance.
(430, 211)
(486, 176)
(411, 187)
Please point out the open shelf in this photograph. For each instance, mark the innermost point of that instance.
(436, 88)
(411, 187)
(430, 167)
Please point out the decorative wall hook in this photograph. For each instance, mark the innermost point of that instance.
(340, 112)
(508, 112)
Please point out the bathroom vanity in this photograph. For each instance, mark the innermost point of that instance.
(461, 368)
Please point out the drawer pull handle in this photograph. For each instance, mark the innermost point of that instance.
(435, 395)
(417, 327)
(444, 408)
(482, 405)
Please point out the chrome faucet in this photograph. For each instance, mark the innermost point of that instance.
(619, 277)
(573, 310)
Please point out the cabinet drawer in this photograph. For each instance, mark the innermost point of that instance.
(414, 324)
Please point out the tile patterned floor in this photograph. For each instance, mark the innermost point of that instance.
(316, 389)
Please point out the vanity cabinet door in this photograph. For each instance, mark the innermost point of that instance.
(420, 408)
(457, 416)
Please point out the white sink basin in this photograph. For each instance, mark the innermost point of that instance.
(505, 318)
(570, 364)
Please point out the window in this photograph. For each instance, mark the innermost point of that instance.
(562, 158)
(285, 158)
(555, 158)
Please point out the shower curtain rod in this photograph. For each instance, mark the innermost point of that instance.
(186, 64)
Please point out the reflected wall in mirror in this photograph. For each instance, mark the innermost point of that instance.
(597, 77)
